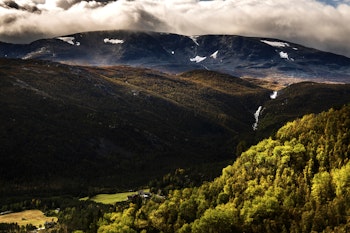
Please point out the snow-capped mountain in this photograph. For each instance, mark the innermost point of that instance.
(236, 55)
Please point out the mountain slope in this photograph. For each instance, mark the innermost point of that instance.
(297, 181)
(303, 97)
(58, 121)
(236, 55)
(84, 129)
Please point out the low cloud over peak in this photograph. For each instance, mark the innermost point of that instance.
(307, 22)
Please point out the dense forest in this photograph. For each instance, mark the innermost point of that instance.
(296, 181)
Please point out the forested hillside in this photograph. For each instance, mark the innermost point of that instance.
(295, 181)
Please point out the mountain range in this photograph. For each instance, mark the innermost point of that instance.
(235, 55)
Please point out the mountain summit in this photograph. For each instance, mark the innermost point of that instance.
(235, 55)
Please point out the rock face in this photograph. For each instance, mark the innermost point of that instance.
(236, 55)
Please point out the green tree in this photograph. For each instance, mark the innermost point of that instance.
(322, 190)
(222, 219)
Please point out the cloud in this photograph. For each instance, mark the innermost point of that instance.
(307, 22)
(14, 5)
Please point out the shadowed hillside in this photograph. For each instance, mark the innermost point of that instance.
(299, 99)
(76, 128)
(82, 130)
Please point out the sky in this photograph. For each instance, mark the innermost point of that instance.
(322, 24)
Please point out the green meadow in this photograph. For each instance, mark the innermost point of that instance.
(34, 217)
(111, 198)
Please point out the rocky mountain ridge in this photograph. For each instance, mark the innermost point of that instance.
(235, 55)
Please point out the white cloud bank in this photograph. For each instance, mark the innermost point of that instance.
(307, 22)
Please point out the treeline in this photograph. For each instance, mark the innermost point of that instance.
(15, 228)
(296, 181)
(72, 214)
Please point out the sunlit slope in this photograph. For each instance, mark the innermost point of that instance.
(295, 181)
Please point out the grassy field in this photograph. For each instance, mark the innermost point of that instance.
(34, 217)
(111, 198)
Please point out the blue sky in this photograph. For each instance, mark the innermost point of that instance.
(322, 24)
(334, 2)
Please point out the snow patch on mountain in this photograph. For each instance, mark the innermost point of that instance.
(194, 38)
(275, 43)
(198, 59)
(215, 54)
(284, 55)
(113, 41)
(274, 95)
(256, 116)
(69, 40)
